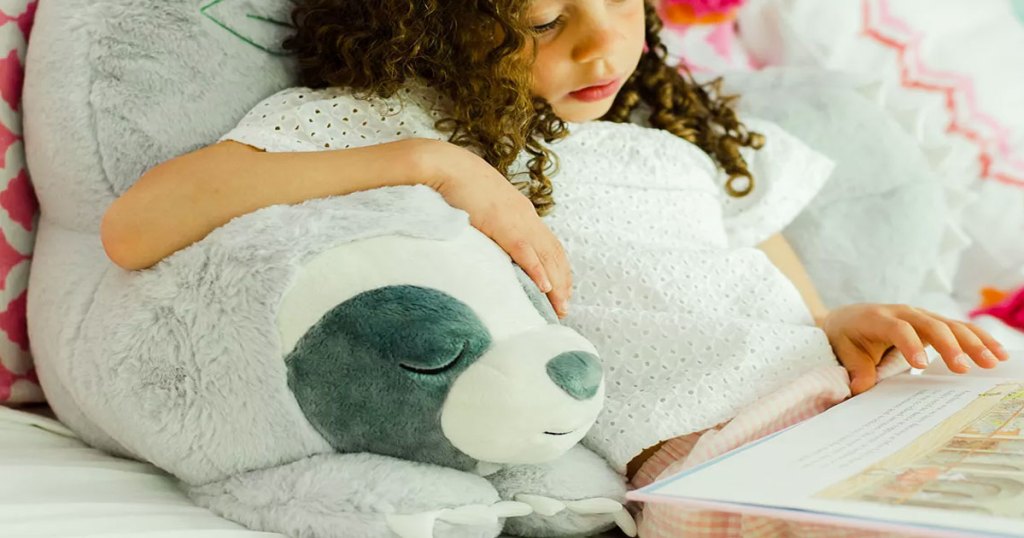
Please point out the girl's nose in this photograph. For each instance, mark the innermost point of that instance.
(596, 42)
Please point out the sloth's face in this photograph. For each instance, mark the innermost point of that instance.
(439, 355)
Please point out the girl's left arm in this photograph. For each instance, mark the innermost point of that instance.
(861, 334)
(784, 257)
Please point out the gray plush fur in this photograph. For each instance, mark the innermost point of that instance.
(112, 88)
(163, 343)
(346, 495)
(577, 475)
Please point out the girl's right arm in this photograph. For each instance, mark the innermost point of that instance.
(182, 200)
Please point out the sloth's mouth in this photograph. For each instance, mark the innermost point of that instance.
(559, 434)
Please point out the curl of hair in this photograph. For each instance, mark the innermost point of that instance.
(681, 106)
(471, 51)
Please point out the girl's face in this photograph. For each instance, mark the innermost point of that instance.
(586, 49)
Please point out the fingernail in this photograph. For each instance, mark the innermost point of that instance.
(920, 360)
(545, 286)
(964, 361)
(987, 355)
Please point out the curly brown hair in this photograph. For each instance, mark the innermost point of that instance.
(473, 52)
(678, 104)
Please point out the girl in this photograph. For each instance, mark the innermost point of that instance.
(477, 99)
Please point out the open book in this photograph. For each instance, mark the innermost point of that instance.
(933, 455)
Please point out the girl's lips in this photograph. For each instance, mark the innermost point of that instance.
(598, 92)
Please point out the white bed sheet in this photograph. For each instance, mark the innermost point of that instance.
(53, 485)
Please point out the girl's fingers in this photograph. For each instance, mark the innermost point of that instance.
(979, 345)
(559, 301)
(972, 344)
(908, 343)
(860, 365)
(523, 254)
(991, 343)
(942, 338)
(563, 267)
(557, 269)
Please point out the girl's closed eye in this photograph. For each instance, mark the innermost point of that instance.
(541, 29)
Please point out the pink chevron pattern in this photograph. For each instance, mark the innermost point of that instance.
(966, 118)
(19, 210)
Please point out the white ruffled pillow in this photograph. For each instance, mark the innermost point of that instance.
(875, 231)
(950, 73)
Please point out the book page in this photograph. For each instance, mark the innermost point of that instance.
(943, 455)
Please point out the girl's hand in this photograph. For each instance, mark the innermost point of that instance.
(501, 212)
(862, 334)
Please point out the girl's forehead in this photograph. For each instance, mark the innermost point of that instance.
(542, 4)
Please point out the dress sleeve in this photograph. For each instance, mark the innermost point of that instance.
(305, 119)
(274, 124)
(787, 176)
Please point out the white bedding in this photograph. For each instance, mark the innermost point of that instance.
(53, 485)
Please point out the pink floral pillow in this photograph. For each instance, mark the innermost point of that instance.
(18, 210)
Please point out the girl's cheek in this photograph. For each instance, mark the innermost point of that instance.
(638, 22)
(543, 72)
(631, 12)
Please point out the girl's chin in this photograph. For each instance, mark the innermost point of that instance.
(579, 112)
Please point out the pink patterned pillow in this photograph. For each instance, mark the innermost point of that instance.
(18, 210)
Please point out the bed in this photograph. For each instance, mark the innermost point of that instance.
(57, 486)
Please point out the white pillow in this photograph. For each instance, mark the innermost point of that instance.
(951, 73)
(875, 230)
